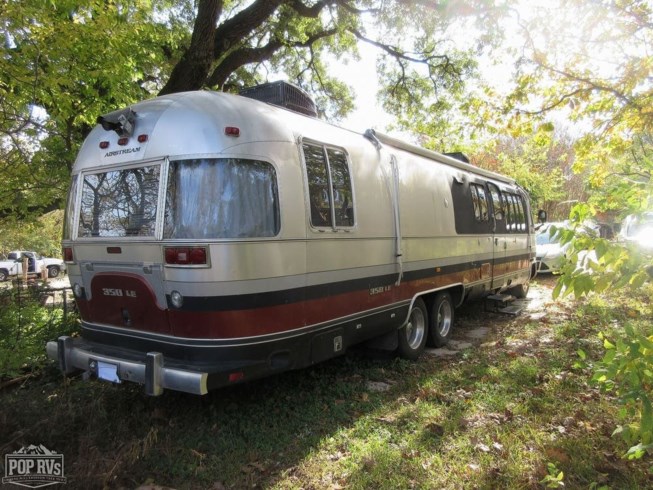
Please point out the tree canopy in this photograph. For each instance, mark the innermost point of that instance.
(64, 63)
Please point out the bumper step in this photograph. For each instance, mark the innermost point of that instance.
(151, 371)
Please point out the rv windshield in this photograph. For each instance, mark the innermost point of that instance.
(120, 203)
(221, 198)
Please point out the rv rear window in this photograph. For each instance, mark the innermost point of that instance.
(69, 215)
(119, 203)
(221, 198)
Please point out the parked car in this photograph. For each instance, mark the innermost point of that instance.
(549, 253)
(13, 266)
(638, 230)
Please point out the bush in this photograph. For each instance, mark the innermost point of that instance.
(627, 371)
(25, 328)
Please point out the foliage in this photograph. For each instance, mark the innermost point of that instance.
(539, 162)
(42, 235)
(555, 477)
(590, 62)
(627, 370)
(614, 263)
(65, 63)
(25, 327)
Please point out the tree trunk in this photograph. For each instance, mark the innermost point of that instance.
(193, 68)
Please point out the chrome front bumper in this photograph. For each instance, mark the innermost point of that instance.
(152, 372)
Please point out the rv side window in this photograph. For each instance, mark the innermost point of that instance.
(496, 202)
(329, 186)
(518, 216)
(221, 198)
(507, 206)
(479, 199)
(522, 213)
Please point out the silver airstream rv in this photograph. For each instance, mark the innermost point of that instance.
(215, 238)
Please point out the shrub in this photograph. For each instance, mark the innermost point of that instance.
(25, 328)
(627, 371)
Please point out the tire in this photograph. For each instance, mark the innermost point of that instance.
(4, 274)
(53, 271)
(520, 291)
(412, 336)
(441, 325)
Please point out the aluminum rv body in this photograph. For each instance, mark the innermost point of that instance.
(212, 239)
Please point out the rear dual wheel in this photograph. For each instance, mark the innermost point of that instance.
(441, 320)
(412, 336)
(422, 327)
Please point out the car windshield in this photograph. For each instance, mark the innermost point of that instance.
(543, 238)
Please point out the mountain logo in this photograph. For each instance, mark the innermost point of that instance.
(34, 467)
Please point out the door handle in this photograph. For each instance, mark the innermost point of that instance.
(496, 241)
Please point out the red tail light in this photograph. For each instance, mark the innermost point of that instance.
(185, 255)
(68, 254)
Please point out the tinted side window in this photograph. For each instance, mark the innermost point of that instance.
(523, 214)
(318, 185)
(329, 186)
(341, 186)
(509, 212)
(475, 201)
(479, 199)
(496, 202)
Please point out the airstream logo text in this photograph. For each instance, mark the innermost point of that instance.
(118, 292)
(122, 152)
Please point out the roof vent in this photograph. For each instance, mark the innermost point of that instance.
(283, 94)
(121, 121)
(458, 155)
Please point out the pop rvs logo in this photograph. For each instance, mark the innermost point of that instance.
(34, 467)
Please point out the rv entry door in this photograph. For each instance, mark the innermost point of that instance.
(499, 243)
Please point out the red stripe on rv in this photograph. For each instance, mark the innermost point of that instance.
(109, 309)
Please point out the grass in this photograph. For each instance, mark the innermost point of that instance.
(494, 416)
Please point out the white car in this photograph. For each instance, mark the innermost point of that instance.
(13, 266)
(550, 254)
(638, 230)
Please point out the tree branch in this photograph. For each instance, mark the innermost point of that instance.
(244, 56)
